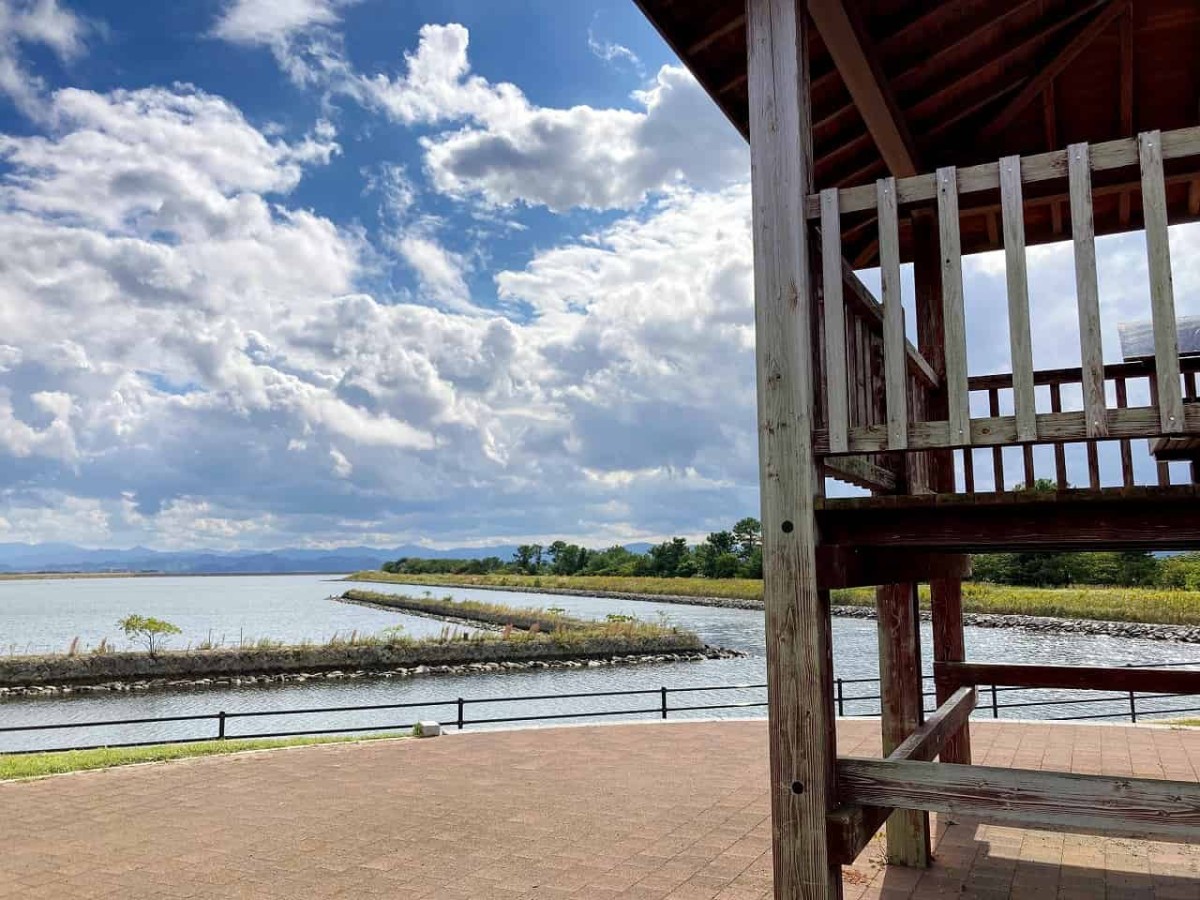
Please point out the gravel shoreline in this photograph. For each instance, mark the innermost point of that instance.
(476, 668)
(1185, 634)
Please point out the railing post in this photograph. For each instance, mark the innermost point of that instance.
(664, 701)
(221, 725)
(841, 700)
(1132, 707)
(460, 713)
(995, 703)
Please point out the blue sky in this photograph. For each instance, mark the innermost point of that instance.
(325, 272)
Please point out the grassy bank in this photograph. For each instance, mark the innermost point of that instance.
(519, 636)
(1098, 603)
(36, 765)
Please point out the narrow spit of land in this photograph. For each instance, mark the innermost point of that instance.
(1100, 604)
(505, 637)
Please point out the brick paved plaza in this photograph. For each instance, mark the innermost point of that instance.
(673, 810)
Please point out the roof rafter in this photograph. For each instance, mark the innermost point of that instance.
(711, 38)
(1065, 56)
(868, 86)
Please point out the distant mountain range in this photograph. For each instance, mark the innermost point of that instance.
(70, 558)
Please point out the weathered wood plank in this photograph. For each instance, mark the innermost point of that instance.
(997, 452)
(1112, 519)
(1097, 678)
(846, 567)
(927, 741)
(1139, 808)
(957, 396)
(1135, 422)
(1117, 154)
(1060, 453)
(867, 85)
(851, 826)
(902, 710)
(800, 682)
(859, 470)
(1126, 447)
(836, 391)
(872, 311)
(1162, 292)
(1024, 402)
(949, 645)
(894, 358)
(1136, 369)
(1087, 291)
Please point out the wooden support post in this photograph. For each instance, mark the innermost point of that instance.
(903, 711)
(945, 593)
(799, 670)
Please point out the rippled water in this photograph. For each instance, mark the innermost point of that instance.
(50, 613)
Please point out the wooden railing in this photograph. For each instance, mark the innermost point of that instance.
(1121, 381)
(874, 405)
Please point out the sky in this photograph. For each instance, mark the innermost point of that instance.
(333, 272)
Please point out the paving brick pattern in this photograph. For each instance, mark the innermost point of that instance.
(677, 810)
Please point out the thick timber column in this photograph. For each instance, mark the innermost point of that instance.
(902, 705)
(800, 683)
(945, 594)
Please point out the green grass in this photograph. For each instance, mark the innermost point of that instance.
(729, 588)
(36, 765)
(528, 624)
(1172, 607)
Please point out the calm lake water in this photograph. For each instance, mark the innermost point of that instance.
(37, 615)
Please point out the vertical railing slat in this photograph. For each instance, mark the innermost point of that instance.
(997, 452)
(957, 391)
(968, 462)
(1012, 206)
(1086, 288)
(1162, 292)
(895, 362)
(1126, 448)
(1060, 453)
(1162, 467)
(837, 395)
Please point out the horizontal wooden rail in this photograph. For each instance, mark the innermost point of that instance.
(846, 567)
(1139, 808)
(1112, 372)
(1152, 518)
(996, 431)
(1098, 678)
(926, 742)
(1052, 166)
(852, 825)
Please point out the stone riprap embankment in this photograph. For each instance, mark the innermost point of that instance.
(410, 671)
(1187, 634)
(20, 673)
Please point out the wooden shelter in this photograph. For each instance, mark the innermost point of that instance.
(892, 131)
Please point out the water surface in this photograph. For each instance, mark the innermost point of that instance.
(50, 613)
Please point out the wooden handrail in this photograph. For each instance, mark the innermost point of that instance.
(1098, 678)
(1119, 154)
(1138, 808)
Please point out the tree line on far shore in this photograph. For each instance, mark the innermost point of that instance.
(735, 553)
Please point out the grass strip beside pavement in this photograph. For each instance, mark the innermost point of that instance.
(1113, 604)
(37, 765)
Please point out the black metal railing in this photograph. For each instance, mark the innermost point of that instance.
(847, 703)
